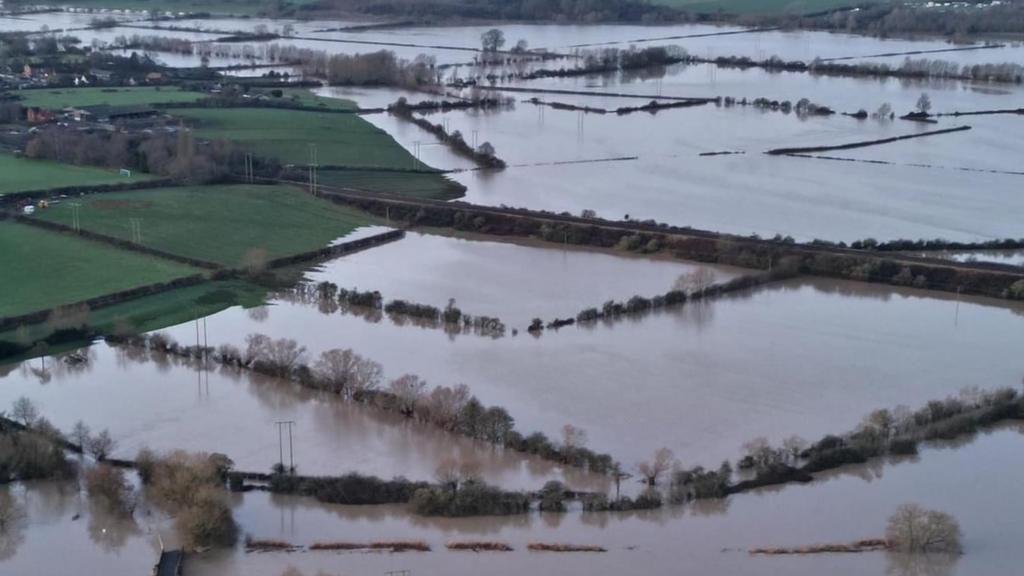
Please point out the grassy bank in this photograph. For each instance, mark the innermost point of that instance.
(22, 174)
(114, 96)
(223, 224)
(340, 139)
(44, 269)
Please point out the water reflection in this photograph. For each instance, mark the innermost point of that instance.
(920, 564)
(12, 523)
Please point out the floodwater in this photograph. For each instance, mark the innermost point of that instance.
(512, 281)
(656, 171)
(61, 531)
(807, 357)
(150, 400)
(708, 538)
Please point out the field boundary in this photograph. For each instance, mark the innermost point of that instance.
(104, 300)
(16, 197)
(982, 278)
(118, 242)
(339, 249)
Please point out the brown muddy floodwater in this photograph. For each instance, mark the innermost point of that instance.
(60, 532)
(513, 281)
(166, 404)
(975, 483)
(807, 357)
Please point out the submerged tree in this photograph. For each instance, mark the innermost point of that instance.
(913, 529)
(661, 463)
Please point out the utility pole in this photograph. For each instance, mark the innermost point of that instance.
(136, 230)
(75, 222)
(313, 165)
(280, 444)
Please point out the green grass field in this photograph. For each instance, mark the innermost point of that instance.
(761, 6)
(156, 311)
(43, 269)
(341, 139)
(307, 98)
(78, 97)
(418, 184)
(217, 223)
(23, 174)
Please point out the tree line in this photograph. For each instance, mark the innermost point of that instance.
(360, 380)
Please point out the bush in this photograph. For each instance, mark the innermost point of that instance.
(552, 497)
(649, 499)
(834, 458)
(471, 499)
(348, 489)
(903, 447)
(207, 522)
(109, 486)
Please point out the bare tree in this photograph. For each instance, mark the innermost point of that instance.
(761, 453)
(696, 281)
(793, 446)
(24, 411)
(492, 40)
(345, 372)
(444, 405)
(881, 420)
(912, 529)
(661, 463)
(101, 445)
(924, 103)
(408, 390)
(109, 486)
(80, 434)
(573, 438)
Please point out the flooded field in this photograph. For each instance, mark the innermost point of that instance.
(548, 281)
(806, 357)
(658, 172)
(176, 405)
(59, 528)
(707, 537)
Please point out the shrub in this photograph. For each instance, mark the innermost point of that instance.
(109, 486)
(471, 499)
(552, 497)
(649, 499)
(207, 522)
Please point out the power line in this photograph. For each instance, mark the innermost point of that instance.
(280, 444)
